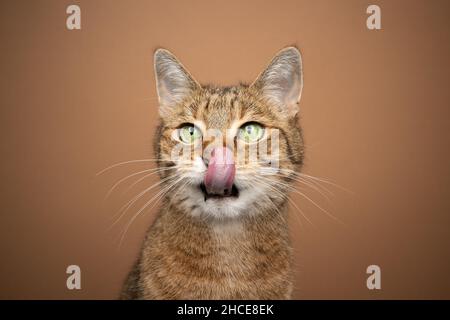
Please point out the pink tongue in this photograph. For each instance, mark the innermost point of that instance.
(219, 177)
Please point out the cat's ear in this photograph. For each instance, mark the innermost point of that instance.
(173, 81)
(282, 81)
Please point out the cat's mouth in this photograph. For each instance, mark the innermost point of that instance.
(229, 193)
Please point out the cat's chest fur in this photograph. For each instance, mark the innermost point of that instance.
(186, 258)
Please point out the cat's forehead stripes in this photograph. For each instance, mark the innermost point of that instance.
(223, 109)
(218, 108)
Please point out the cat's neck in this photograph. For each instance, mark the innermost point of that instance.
(248, 256)
(255, 223)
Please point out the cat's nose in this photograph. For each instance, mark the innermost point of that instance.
(219, 177)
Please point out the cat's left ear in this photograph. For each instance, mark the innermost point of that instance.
(282, 81)
(173, 82)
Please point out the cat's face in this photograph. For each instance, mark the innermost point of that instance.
(227, 152)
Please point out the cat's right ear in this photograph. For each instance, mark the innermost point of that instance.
(173, 81)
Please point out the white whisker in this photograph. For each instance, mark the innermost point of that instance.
(148, 175)
(284, 196)
(153, 170)
(155, 198)
(130, 203)
(308, 198)
(128, 162)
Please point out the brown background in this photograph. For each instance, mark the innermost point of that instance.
(375, 112)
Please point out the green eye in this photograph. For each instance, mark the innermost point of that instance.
(189, 133)
(251, 132)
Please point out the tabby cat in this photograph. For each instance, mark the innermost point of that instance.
(222, 232)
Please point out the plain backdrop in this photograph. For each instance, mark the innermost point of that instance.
(375, 114)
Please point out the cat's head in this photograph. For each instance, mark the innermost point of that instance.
(229, 151)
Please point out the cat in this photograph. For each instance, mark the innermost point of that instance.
(222, 231)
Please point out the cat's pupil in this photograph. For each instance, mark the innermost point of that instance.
(191, 131)
(249, 129)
